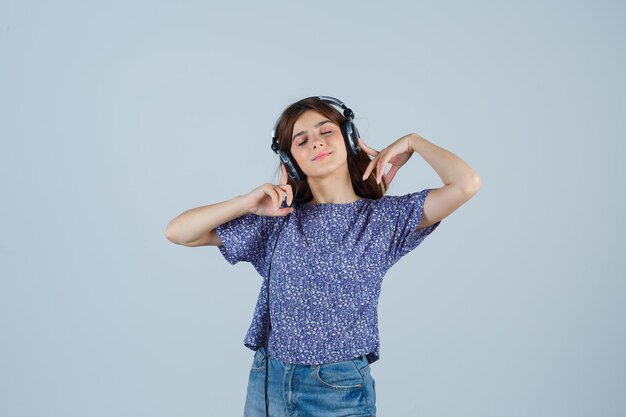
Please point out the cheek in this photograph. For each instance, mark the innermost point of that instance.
(298, 154)
(340, 145)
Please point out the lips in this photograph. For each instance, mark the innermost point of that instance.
(321, 154)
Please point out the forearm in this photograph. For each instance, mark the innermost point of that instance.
(451, 169)
(192, 224)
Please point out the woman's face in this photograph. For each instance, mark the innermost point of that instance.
(315, 135)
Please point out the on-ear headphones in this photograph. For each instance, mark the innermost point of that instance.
(348, 130)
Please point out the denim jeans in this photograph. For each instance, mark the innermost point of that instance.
(337, 389)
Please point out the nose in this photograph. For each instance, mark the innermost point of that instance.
(316, 140)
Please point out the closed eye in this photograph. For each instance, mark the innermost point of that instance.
(306, 140)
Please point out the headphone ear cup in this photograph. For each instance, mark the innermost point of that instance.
(351, 137)
(293, 169)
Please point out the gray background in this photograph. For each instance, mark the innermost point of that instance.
(117, 116)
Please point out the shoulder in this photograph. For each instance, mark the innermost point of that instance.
(388, 202)
(402, 206)
(249, 224)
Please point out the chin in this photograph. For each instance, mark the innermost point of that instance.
(326, 171)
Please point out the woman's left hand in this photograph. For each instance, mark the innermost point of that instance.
(396, 154)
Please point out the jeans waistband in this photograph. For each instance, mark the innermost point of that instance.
(359, 361)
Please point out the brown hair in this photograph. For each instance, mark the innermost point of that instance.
(356, 165)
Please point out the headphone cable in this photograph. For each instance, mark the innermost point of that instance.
(269, 326)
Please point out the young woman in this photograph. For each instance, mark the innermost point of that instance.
(323, 258)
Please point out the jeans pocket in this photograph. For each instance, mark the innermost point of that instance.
(339, 375)
(258, 361)
(369, 387)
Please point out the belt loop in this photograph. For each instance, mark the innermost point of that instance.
(360, 361)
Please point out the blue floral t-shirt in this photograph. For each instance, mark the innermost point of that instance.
(326, 272)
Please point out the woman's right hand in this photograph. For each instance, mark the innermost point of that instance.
(267, 199)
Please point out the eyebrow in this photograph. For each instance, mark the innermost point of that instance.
(303, 132)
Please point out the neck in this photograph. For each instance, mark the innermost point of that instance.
(335, 189)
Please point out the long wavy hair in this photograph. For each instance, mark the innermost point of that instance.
(356, 165)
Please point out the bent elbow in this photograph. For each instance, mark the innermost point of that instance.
(473, 184)
(169, 235)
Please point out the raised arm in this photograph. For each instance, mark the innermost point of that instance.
(196, 227)
(461, 181)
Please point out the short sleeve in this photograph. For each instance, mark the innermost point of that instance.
(245, 238)
(406, 214)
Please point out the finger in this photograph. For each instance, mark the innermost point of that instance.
(284, 194)
(271, 192)
(283, 176)
(391, 174)
(380, 168)
(288, 193)
(367, 149)
(285, 211)
(279, 196)
(369, 169)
